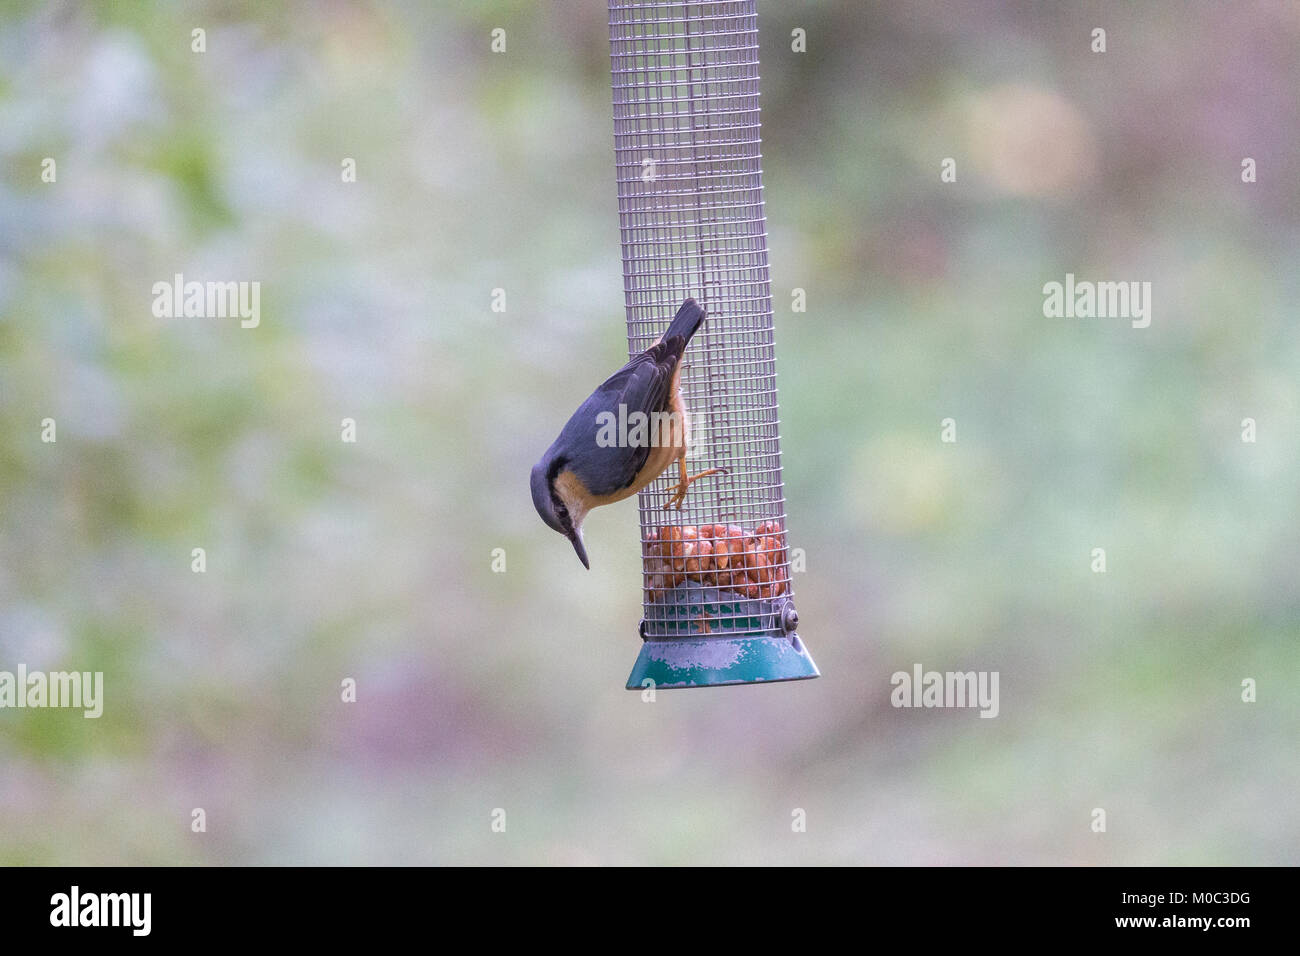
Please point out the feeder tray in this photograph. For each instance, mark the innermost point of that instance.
(736, 649)
(718, 594)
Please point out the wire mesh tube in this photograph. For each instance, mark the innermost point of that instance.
(690, 199)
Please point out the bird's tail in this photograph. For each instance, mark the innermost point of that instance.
(687, 320)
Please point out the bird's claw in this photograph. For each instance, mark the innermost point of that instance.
(678, 493)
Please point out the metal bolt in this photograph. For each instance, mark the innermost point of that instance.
(790, 619)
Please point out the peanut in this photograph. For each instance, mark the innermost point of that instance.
(703, 559)
(683, 555)
(758, 568)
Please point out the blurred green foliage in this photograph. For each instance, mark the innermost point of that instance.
(372, 560)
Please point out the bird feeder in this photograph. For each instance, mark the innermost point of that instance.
(718, 594)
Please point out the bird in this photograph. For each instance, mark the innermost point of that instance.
(582, 469)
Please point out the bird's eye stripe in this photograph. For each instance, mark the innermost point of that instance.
(561, 512)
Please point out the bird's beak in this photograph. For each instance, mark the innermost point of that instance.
(579, 547)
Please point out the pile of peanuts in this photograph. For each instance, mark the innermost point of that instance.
(717, 555)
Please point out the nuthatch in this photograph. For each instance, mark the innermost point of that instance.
(589, 465)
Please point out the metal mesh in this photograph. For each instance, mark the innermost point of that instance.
(690, 200)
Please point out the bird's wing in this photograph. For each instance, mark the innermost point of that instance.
(641, 385)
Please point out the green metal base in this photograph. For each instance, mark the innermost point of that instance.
(715, 661)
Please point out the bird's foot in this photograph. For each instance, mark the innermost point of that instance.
(679, 490)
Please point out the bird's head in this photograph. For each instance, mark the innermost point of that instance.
(558, 506)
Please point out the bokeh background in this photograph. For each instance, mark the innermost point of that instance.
(479, 690)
